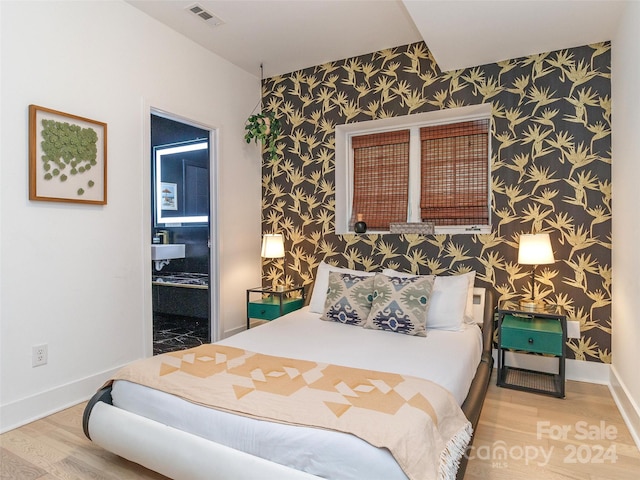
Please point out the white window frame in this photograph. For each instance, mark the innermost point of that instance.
(344, 162)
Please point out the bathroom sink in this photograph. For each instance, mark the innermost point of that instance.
(167, 251)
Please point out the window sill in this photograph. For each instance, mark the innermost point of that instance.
(481, 230)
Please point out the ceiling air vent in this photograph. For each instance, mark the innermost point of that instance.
(208, 17)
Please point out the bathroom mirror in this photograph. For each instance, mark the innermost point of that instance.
(181, 184)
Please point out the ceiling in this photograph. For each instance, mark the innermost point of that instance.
(290, 35)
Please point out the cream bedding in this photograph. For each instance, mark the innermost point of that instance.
(448, 358)
(418, 421)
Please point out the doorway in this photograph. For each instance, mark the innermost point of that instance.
(181, 166)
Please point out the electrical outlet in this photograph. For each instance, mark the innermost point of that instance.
(39, 355)
(573, 329)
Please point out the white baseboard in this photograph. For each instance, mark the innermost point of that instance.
(590, 372)
(233, 331)
(626, 405)
(40, 405)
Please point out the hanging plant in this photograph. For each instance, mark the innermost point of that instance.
(264, 127)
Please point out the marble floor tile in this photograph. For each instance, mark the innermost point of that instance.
(171, 333)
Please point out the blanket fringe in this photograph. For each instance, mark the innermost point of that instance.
(452, 454)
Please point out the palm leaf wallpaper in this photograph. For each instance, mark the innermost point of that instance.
(551, 172)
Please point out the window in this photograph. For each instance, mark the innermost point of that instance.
(380, 178)
(454, 173)
(425, 167)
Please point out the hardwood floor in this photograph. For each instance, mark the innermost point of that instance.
(528, 436)
(55, 448)
(520, 436)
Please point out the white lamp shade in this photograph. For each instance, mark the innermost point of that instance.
(272, 245)
(535, 249)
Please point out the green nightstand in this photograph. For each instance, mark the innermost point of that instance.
(273, 303)
(543, 332)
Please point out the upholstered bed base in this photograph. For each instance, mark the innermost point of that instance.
(472, 405)
(181, 455)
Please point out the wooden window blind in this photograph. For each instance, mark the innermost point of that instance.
(455, 178)
(380, 178)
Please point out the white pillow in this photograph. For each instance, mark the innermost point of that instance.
(321, 284)
(448, 303)
(451, 302)
(468, 311)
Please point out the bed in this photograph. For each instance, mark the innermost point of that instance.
(185, 440)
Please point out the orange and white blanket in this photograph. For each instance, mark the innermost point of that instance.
(418, 421)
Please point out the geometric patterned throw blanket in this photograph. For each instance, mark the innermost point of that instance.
(418, 421)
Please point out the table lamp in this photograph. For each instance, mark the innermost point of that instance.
(273, 247)
(534, 249)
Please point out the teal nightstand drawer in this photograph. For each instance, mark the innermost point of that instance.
(539, 335)
(269, 308)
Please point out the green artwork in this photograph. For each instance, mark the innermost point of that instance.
(68, 150)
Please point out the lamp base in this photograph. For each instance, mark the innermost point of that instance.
(531, 305)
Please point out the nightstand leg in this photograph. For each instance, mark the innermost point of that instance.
(248, 319)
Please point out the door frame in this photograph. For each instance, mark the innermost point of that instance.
(214, 251)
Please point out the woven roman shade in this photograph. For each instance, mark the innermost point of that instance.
(380, 178)
(455, 178)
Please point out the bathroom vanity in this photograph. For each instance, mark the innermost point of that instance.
(183, 294)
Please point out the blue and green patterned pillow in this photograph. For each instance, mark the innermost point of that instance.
(348, 298)
(400, 304)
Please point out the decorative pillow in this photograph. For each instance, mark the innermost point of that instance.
(348, 298)
(321, 284)
(400, 304)
(451, 302)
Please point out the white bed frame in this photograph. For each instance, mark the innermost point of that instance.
(178, 454)
(183, 456)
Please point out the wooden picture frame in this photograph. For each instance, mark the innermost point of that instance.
(67, 157)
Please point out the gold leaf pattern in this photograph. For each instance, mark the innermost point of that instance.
(551, 172)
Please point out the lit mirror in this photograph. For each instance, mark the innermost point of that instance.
(182, 183)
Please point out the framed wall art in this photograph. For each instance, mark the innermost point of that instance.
(169, 199)
(67, 157)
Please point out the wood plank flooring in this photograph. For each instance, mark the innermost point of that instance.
(528, 436)
(55, 448)
(520, 436)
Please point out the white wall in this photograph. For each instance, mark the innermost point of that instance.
(625, 80)
(77, 277)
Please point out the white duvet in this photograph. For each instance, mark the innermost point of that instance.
(447, 358)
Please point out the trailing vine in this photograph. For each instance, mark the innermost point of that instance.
(264, 127)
